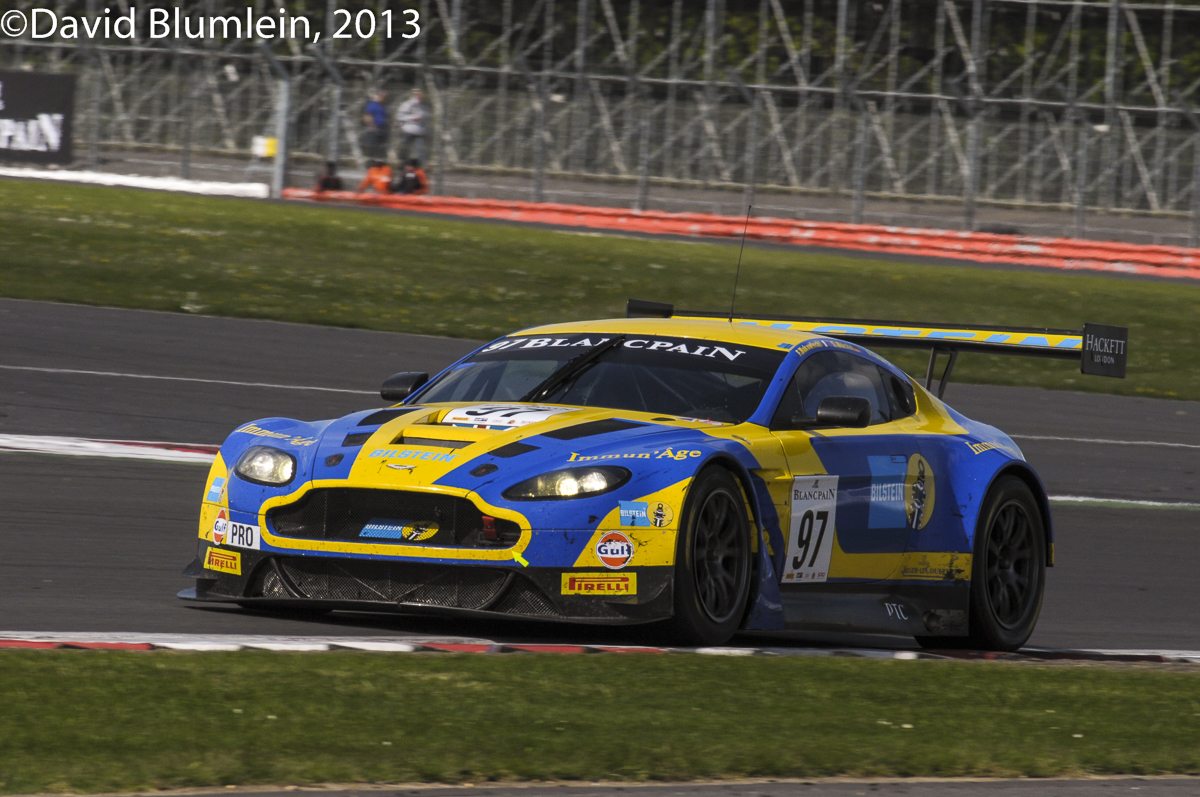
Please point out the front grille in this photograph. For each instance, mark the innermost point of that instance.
(400, 583)
(388, 516)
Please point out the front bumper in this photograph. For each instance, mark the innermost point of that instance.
(280, 581)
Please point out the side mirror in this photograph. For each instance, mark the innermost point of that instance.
(398, 387)
(846, 411)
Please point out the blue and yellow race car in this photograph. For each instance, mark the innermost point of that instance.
(707, 473)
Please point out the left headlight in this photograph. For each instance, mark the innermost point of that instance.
(266, 465)
(569, 483)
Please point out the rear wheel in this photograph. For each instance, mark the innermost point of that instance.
(1008, 575)
(712, 561)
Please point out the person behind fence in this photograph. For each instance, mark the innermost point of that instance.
(413, 118)
(411, 180)
(328, 180)
(375, 126)
(378, 178)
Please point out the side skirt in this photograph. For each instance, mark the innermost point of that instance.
(885, 607)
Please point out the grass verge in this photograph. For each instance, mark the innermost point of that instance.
(313, 264)
(124, 721)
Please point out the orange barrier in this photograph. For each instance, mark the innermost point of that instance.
(1063, 253)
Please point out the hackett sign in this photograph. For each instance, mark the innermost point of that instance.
(36, 117)
(1105, 350)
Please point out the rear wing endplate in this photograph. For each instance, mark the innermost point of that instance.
(1100, 349)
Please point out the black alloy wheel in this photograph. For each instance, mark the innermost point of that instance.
(713, 561)
(1010, 563)
(1008, 572)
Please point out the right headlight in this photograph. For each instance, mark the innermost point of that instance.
(569, 483)
(266, 465)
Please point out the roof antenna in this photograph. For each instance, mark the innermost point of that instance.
(738, 273)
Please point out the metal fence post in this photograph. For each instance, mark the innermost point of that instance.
(336, 109)
(97, 78)
(643, 184)
(283, 99)
(1081, 178)
(1195, 237)
(860, 165)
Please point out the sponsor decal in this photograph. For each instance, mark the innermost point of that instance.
(1105, 350)
(502, 416)
(599, 584)
(614, 550)
(887, 492)
(902, 492)
(242, 535)
(679, 456)
(634, 513)
(413, 454)
(918, 492)
(411, 530)
(647, 344)
(220, 527)
(805, 348)
(258, 431)
(223, 561)
(979, 448)
(214, 491)
(661, 514)
(936, 567)
(813, 526)
(896, 611)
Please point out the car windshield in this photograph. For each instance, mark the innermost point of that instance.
(671, 376)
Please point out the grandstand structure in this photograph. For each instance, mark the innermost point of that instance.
(1087, 106)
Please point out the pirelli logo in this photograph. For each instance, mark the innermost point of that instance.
(599, 583)
(224, 561)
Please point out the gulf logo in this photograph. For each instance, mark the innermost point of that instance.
(220, 528)
(614, 550)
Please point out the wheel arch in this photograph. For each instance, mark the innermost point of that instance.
(1027, 474)
(760, 600)
(739, 472)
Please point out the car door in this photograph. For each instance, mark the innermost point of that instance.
(853, 489)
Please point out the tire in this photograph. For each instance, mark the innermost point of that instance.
(712, 561)
(1008, 572)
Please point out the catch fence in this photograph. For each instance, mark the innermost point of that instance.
(940, 112)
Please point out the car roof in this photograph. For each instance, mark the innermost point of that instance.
(746, 333)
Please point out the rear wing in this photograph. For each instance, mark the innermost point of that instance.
(1100, 349)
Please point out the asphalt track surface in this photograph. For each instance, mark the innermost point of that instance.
(98, 544)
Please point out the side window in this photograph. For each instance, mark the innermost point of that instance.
(835, 373)
(900, 395)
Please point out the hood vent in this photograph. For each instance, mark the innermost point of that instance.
(383, 416)
(513, 449)
(430, 441)
(591, 429)
(356, 439)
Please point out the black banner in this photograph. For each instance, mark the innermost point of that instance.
(1105, 350)
(36, 117)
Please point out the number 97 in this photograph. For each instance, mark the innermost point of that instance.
(804, 538)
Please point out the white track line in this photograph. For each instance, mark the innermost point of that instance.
(114, 449)
(1103, 442)
(1084, 499)
(183, 379)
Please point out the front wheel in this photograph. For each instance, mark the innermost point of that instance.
(712, 561)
